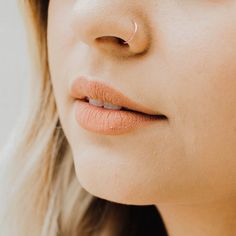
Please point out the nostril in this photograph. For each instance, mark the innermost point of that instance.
(112, 39)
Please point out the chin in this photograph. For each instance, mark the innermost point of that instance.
(107, 185)
(104, 173)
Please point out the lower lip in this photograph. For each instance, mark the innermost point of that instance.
(110, 122)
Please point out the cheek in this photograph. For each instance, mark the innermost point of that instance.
(199, 48)
(203, 62)
(59, 47)
(59, 35)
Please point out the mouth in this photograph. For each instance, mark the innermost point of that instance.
(103, 96)
(160, 117)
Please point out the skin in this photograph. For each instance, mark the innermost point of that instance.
(185, 166)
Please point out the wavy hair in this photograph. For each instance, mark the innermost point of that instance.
(40, 193)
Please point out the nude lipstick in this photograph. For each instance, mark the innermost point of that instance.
(102, 109)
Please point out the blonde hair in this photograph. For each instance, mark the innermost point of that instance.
(40, 194)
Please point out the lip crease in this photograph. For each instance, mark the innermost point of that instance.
(82, 88)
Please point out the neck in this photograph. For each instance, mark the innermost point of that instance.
(206, 219)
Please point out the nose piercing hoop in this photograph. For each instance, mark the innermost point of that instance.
(133, 34)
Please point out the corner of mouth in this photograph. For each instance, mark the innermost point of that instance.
(155, 116)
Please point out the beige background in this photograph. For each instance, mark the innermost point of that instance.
(14, 69)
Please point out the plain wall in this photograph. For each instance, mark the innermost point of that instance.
(14, 66)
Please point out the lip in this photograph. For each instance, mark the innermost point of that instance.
(82, 88)
(108, 121)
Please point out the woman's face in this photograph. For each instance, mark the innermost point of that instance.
(188, 74)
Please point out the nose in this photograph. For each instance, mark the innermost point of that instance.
(107, 25)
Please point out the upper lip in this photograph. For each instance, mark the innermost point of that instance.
(82, 88)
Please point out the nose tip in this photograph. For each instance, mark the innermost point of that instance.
(110, 32)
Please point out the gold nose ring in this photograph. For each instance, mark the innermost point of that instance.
(133, 34)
